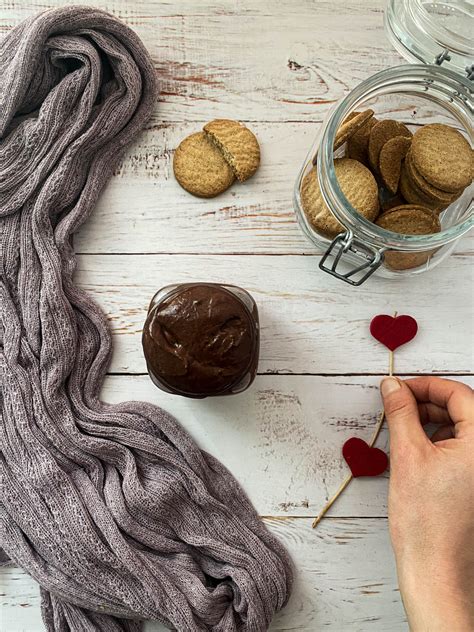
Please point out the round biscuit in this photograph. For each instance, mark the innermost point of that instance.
(409, 219)
(238, 144)
(358, 143)
(443, 157)
(437, 195)
(200, 167)
(350, 126)
(382, 132)
(315, 209)
(357, 184)
(427, 214)
(390, 161)
(350, 116)
(413, 195)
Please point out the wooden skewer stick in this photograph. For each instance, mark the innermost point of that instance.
(349, 477)
(332, 500)
(390, 363)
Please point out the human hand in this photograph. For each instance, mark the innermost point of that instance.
(431, 500)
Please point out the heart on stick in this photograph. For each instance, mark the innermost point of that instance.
(362, 459)
(393, 331)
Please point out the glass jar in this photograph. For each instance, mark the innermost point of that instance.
(414, 95)
(433, 32)
(202, 339)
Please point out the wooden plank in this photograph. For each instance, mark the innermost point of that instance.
(204, 62)
(144, 210)
(138, 11)
(279, 66)
(249, 60)
(278, 60)
(310, 322)
(345, 581)
(282, 438)
(302, 57)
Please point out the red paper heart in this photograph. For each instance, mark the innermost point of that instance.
(362, 459)
(393, 331)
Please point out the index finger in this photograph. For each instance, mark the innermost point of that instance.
(457, 398)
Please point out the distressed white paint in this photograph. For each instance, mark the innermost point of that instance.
(233, 58)
(346, 581)
(145, 210)
(289, 431)
(311, 323)
(279, 66)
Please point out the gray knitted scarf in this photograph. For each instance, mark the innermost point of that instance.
(113, 509)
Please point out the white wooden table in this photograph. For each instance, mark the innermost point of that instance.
(277, 66)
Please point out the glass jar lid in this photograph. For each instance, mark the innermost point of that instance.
(436, 32)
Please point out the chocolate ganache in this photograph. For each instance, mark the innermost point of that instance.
(202, 339)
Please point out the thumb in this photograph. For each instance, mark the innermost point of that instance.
(401, 411)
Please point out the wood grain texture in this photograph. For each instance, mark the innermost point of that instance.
(139, 11)
(282, 438)
(143, 209)
(274, 64)
(346, 581)
(280, 66)
(253, 60)
(310, 322)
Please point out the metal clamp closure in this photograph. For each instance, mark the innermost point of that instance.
(445, 55)
(346, 243)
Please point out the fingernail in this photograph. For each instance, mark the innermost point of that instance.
(389, 385)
